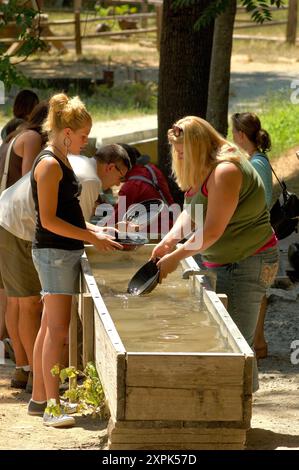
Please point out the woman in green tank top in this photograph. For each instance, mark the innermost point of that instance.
(225, 206)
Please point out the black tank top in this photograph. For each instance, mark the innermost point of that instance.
(68, 208)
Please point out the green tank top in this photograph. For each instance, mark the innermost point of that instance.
(249, 228)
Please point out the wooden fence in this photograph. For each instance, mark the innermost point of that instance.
(290, 22)
(47, 35)
(78, 22)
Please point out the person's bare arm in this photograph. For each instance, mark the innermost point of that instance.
(48, 174)
(181, 228)
(224, 188)
(28, 145)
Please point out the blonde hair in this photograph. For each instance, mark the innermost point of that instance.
(203, 151)
(66, 112)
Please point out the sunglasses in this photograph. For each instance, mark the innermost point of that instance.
(119, 170)
(177, 130)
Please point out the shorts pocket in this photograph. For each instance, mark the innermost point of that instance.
(268, 273)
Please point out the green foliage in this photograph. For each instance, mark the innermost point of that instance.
(89, 396)
(9, 75)
(280, 118)
(120, 101)
(53, 408)
(117, 10)
(124, 9)
(138, 96)
(24, 18)
(259, 9)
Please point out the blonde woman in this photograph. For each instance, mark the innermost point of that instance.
(235, 239)
(58, 245)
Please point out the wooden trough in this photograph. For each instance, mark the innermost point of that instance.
(170, 400)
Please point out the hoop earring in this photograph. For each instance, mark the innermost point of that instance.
(67, 142)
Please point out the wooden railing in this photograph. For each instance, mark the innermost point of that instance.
(78, 37)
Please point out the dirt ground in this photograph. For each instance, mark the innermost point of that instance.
(275, 413)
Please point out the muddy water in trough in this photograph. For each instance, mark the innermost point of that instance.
(172, 318)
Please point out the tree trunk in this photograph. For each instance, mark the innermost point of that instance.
(218, 96)
(185, 57)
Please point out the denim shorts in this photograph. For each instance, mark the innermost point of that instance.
(58, 270)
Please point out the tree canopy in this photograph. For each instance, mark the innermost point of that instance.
(26, 20)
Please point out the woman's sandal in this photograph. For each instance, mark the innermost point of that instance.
(261, 353)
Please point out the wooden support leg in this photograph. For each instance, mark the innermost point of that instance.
(224, 299)
(73, 340)
(88, 328)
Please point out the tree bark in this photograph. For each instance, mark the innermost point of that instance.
(185, 56)
(218, 95)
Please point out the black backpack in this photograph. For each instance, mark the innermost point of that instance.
(284, 214)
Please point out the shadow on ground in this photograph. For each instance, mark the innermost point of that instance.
(262, 439)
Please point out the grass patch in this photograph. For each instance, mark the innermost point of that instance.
(280, 118)
(120, 101)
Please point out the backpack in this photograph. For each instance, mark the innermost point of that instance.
(284, 214)
(153, 182)
(4, 176)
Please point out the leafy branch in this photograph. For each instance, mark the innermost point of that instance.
(89, 396)
(259, 9)
(27, 20)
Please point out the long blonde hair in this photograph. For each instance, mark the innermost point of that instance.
(66, 112)
(202, 146)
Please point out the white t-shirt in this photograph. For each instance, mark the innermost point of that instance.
(17, 212)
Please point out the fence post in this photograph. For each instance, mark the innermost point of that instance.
(291, 32)
(144, 9)
(77, 7)
(159, 12)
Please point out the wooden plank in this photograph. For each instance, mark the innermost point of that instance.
(189, 446)
(144, 9)
(159, 12)
(227, 327)
(202, 404)
(111, 369)
(101, 18)
(89, 285)
(173, 435)
(187, 371)
(253, 25)
(88, 328)
(291, 30)
(247, 397)
(125, 32)
(173, 424)
(73, 340)
(78, 42)
(223, 298)
(108, 349)
(250, 37)
(179, 436)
